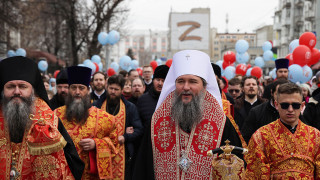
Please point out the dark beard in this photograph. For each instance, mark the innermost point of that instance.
(114, 101)
(16, 116)
(251, 96)
(187, 115)
(77, 111)
(61, 98)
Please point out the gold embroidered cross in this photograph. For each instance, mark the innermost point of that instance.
(41, 120)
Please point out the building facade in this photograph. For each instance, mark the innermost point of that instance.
(291, 19)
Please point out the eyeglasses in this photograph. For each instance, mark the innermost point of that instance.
(286, 105)
(234, 90)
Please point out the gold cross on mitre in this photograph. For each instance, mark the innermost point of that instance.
(187, 56)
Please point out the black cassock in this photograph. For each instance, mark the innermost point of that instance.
(143, 169)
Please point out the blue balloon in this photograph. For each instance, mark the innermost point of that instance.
(96, 59)
(159, 62)
(268, 55)
(125, 62)
(242, 46)
(90, 65)
(267, 46)
(87, 61)
(103, 38)
(242, 58)
(115, 66)
(135, 64)
(230, 72)
(295, 73)
(306, 74)
(293, 45)
(259, 62)
(219, 63)
(21, 52)
(11, 53)
(42, 65)
(100, 66)
(248, 73)
(273, 73)
(113, 37)
(82, 65)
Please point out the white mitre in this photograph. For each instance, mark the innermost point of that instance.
(190, 62)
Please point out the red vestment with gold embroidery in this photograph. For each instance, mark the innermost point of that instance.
(172, 147)
(276, 153)
(118, 161)
(100, 127)
(40, 155)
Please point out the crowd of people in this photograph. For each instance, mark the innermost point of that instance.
(159, 125)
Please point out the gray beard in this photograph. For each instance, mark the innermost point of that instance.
(187, 115)
(16, 116)
(78, 111)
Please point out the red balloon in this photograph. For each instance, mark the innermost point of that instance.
(154, 64)
(248, 66)
(225, 64)
(256, 71)
(308, 39)
(111, 72)
(229, 57)
(169, 62)
(97, 66)
(290, 58)
(301, 55)
(139, 71)
(241, 69)
(315, 56)
(56, 73)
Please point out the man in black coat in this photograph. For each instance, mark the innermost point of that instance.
(262, 114)
(146, 106)
(312, 112)
(60, 97)
(133, 127)
(248, 100)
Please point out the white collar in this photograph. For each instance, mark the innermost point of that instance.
(98, 94)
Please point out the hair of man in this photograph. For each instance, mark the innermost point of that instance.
(117, 79)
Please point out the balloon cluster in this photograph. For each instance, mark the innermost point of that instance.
(112, 38)
(94, 64)
(242, 57)
(267, 53)
(302, 55)
(18, 52)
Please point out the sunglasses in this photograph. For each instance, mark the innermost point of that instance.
(286, 105)
(234, 90)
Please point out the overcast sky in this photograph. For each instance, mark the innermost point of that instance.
(245, 15)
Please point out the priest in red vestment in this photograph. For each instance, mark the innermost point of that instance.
(31, 146)
(286, 148)
(92, 130)
(189, 119)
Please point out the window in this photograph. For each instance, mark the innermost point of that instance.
(216, 42)
(163, 40)
(154, 40)
(222, 37)
(228, 37)
(216, 49)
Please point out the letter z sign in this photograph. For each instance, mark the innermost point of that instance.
(193, 25)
